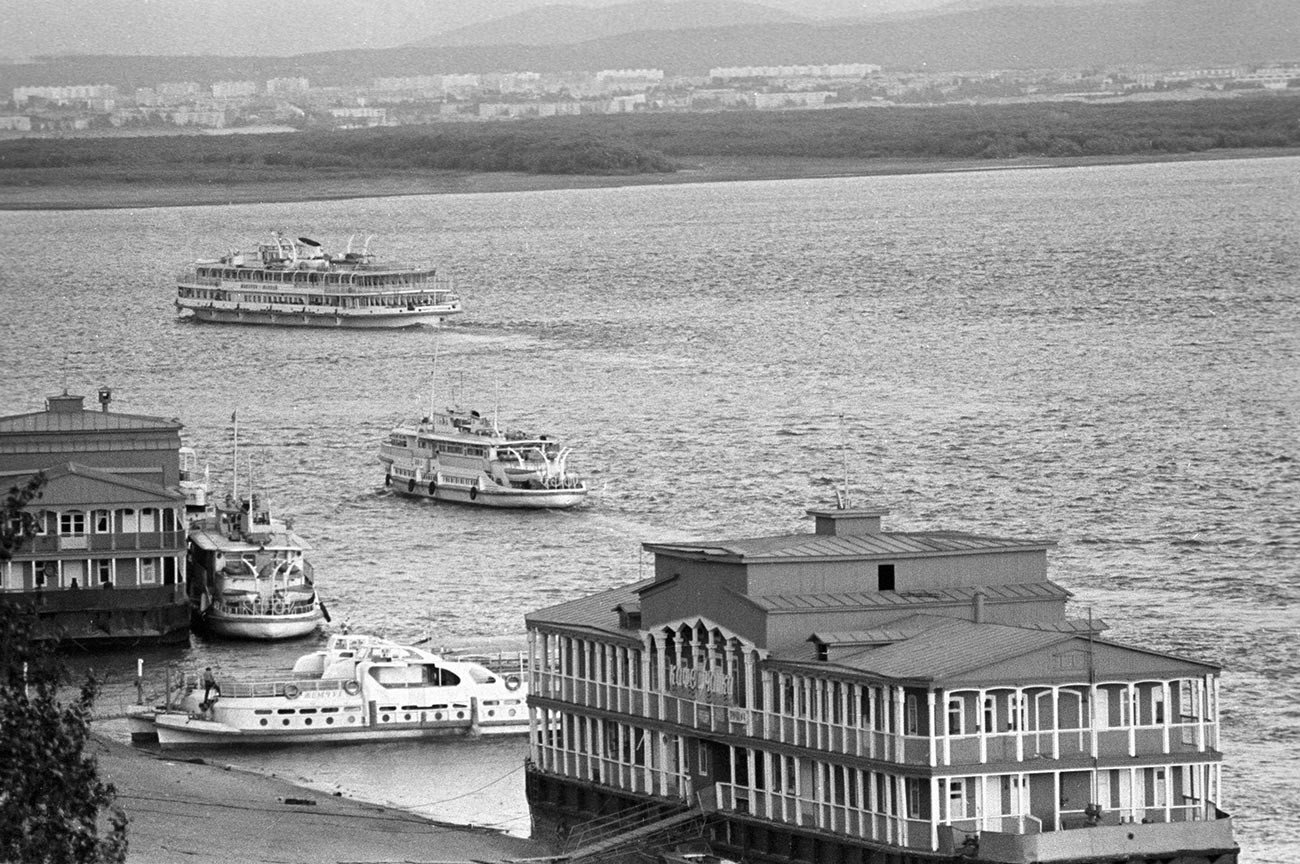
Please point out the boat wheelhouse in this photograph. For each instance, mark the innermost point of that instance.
(860, 695)
(297, 283)
(249, 576)
(358, 688)
(461, 456)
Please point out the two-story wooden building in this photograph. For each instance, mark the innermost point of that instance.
(105, 563)
(863, 695)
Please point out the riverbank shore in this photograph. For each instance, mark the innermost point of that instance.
(87, 192)
(204, 812)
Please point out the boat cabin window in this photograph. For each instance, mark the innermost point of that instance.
(436, 676)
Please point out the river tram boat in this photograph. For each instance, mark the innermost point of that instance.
(462, 456)
(357, 688)
(297, 283)
(248, 574)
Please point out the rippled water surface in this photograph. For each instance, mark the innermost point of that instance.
(1103, 356)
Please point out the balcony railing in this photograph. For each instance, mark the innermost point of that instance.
(817, 734)
(53, 544)
(796, 810)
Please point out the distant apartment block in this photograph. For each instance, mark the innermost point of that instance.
(233, 89)
(286, 86)
(630, 75)
(67, 94)
(15, 123)
(359, 117)
(800, 99)
(176, 91)
(841, 70)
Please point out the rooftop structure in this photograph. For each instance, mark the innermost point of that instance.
(857, 694)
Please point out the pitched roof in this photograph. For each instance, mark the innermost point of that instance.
(39, 422)
(883, 544)
(595, 611)
(76, 469)
(951, 647)
(904, 600)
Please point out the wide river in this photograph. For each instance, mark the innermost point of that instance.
(1103, 356)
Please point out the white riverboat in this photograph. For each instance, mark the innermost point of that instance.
(358, 688)
(462, 456)
(248, 575)
(297, 283)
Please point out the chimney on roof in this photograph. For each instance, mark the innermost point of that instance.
(977, 614)
(853, 522)
(105, 396)
(65, 404)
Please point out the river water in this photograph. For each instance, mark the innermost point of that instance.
(1105, 356)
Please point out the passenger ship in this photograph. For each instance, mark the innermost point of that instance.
(296, 283)
(855, 694)
(458, 455)
(358, 688)
(248, 576)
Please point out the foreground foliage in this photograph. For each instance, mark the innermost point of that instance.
(53, 806)
(655, 142)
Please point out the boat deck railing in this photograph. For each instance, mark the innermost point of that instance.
(501, 662)
(269, 688)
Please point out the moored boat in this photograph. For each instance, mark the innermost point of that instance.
(249, 577)
(296, 283)
(357, 688)
(458, 455)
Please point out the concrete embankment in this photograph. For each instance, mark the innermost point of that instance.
(205, 813)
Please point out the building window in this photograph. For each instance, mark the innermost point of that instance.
(72, 523)
(102, 522)
(104, 571)
(129, 523)
(44, 573)
(884, 577)
(956, 716)
(705, 759)
(911, 720)
(990, 714)
(148, 520)
(148, 571)
(913, 798)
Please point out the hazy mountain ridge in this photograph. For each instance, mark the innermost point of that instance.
(1159, 32)
(564, 24)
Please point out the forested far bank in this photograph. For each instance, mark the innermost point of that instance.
(654, 143)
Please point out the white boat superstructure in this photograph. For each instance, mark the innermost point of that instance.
(297, 283)
(194, 484)
(249, 577)
(357, 688)
(458, 455)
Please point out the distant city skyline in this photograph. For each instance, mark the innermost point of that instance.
(279, 28)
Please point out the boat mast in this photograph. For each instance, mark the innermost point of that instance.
(234, 491)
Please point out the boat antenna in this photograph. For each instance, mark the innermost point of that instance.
(433, 381)
(496, 405)
(234, 490)
(844, 502)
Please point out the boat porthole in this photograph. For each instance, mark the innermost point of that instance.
(511, 712)
(437, 715)
(433, 487)
(307, 721)
(406, 716)
(460, 715)
(352, 719)
(410, 485)
(473, 493)
(285, 721)
(384, 718)
(329, 721)
(263, 721)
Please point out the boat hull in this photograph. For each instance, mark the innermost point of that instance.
(261, 627)
(382, 321)
(538, 499)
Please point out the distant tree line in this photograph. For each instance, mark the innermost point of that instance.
(654, 142)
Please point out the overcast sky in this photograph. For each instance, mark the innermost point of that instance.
(285, 27)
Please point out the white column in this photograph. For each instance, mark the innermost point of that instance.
(934, 810)
(1020, 720)
(1130, 694)
(934, 724)
(1168, 709)
(981, 727)
(1056, 722)
(1056, 800)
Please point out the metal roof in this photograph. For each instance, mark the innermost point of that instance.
(595, 611)
(902, 600)
(889, 544)
(40, 422)
(76, 469)
(951, 647)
